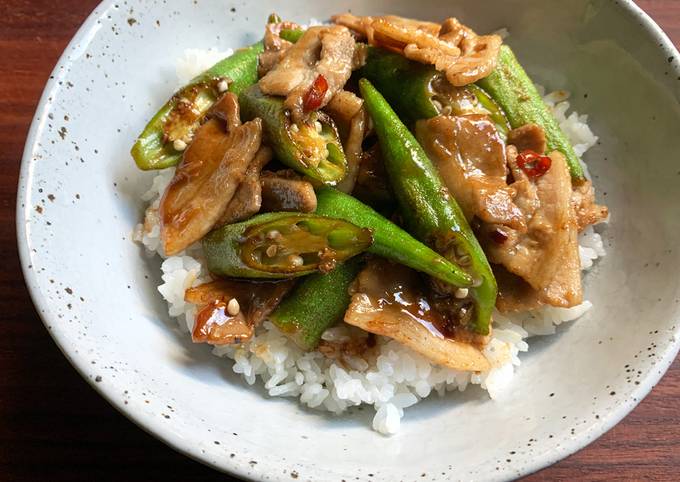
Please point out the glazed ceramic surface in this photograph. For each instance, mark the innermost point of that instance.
(96, 291)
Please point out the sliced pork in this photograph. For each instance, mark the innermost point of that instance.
(471, 160)
(545, 255)
(528, 137)
(322, 60)
(230, 310)
(387, 300)
(206, 180)
(248, 198)
(451, 47)
(286, 191)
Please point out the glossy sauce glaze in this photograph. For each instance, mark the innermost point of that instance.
(220, 320)
(396, 289)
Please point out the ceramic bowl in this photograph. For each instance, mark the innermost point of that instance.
(96, 292)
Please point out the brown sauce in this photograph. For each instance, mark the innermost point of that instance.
(398, 289)
(216, 326)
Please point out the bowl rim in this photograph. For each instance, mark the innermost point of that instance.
(162, 432)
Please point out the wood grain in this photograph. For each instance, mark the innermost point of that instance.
(54, 427)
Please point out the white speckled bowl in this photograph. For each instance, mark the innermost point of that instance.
(78, 202)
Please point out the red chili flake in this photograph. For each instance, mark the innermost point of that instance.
(498, 236)
(533, 164)
(314, 96)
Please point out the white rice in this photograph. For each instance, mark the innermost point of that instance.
(399, 377)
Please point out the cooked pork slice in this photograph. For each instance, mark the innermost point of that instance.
(363, 26)
(227, 109)
(206, 180)
(274, 46)
(347, 111)
(248, 198)
(546, 254)
(286, 191)
(587, 210)
(451, 47)
(387, 300)
(229, 310)
(343, 107)
(471, 159)
(352, 146)
(322, 52)
(528, 137)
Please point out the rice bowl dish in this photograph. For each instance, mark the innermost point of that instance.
(394, 377)
(570, 388)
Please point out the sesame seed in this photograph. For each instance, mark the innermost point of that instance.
(294, 129)
(318, 126)
(273, 234)
(271, 250)
(222, 86)
(233, 307)
(179, 145)
(295, 260)
(461, 293)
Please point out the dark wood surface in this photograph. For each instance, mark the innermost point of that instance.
(53, 426)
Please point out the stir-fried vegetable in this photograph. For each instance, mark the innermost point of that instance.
(316, 304)
(292, 35)
(492, 109)
(430, 211)
(161, 143)
(510, 86)
(283, 245)
(417, 91)
(164, 138)
(311, 147)
(389, 240)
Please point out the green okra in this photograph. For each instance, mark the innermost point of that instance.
(312, 147)
(418, 91)
(389, 240)
(283, 245)
(510, 86)
(429, 210)
(316, 303)
(182, 114)
(292, 34)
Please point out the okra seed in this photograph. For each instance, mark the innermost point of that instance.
(179, 145)
(318, 126)
(295, 260)
(437, 105)
(447, 110)
(223, 86)
(233, 307)
(461, 293)
(271, 250)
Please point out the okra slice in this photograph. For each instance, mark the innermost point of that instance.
(283, 245)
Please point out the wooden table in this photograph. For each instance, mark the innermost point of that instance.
(53, 426)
